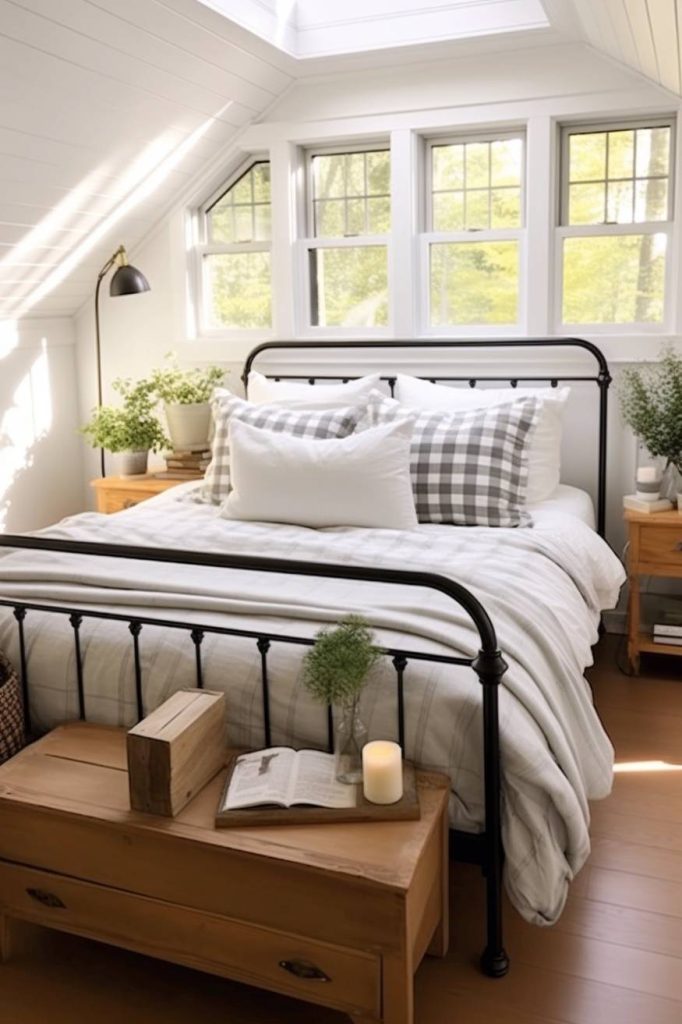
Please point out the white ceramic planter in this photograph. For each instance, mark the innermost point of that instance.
(131, 463)
(189, 426)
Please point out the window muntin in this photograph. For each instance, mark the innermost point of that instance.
(476, 185)
(351, 193)
(235, 262)
(475, 219)
(616, 223)
(349, 222)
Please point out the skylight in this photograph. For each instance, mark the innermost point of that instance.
(314, 28)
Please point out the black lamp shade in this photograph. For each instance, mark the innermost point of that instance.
(128, 280)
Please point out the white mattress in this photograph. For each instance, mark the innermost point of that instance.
(569, 500)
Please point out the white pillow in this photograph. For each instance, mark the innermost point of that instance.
(262, 390)
(544, 447)
(361, 480)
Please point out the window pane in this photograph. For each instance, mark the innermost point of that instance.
(328, 176)
(477, 160)
(651, 199)
(614, 279)
(477, 209)
(379, 213)
(242, 214)
(355, 217)
(474, 283)
(587, 156)
(355, 171)
(621, 154)
(653, 152)
(505, 208)
(506, 156)
(329, 218)
(448, 211)
(586, 204)
(619, 202)
(379, 173)
(238, 289)
(448, 167)
(349, 286)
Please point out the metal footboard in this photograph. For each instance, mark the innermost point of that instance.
(488, 665)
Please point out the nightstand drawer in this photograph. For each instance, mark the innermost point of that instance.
(117, 501)
(343, 978)
(661, 545)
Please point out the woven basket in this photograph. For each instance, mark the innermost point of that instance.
(12, 737)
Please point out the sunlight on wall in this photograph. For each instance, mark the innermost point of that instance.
(139, 180)
(646, 766)
(23, 425)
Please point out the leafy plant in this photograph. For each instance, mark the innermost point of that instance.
(132, 427)
(335, 669)
(651, 403)
(183, 387)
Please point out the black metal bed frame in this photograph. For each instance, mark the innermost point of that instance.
(484, 848)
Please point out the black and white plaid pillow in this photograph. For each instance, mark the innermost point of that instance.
(468, 467)
(319, 423)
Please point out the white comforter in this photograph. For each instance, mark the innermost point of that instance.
(543, 588)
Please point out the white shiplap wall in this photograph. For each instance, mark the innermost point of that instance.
(108, 108)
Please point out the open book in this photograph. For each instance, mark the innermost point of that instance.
(286, 778)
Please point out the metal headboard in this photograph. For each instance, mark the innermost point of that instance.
(602, 378)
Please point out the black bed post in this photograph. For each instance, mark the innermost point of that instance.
(603, 382)
(490, 666)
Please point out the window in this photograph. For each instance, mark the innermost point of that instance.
(235, 256)
(616, 219)
(474, 228)
(349, 223)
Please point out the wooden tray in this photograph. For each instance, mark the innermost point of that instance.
(406, 809)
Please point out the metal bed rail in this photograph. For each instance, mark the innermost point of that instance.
(488, 665)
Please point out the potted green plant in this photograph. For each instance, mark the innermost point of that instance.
(651, 403)
(130, 431)
(334, 672)
(186, 395)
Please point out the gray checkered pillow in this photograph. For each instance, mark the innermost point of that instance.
(320, 423)
(468, 467)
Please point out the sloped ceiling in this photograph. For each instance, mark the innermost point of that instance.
(109, 108)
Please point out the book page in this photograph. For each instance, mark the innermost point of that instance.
(315, 782)
(262, 777)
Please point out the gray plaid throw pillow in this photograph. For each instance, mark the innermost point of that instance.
(320, 423)
(468, 467)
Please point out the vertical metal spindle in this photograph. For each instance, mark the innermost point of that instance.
(20, 615)
(197, 639)
(264, 647)
(76, 621)
(330, 729)
(392, 381)
(135, 629)
(399, 664)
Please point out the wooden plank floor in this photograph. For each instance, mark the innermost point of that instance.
(614, 958)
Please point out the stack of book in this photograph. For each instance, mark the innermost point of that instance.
(186, 465)
(668, 633)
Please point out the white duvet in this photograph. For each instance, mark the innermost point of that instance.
(542, 587)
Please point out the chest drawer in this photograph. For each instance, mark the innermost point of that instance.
(661, 545)
(116, 501)
(321, 973)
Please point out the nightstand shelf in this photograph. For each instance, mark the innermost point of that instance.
(655, 549)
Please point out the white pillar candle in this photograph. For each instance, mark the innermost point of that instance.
(648, 475)
(382, 772)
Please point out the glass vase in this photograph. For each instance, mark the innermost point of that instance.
(349, 739)
(671, 483)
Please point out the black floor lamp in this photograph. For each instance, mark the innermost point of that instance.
(127, 280)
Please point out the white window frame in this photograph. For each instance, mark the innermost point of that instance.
(205, 248)
(428, 237)
(564, 230)
(310, 242)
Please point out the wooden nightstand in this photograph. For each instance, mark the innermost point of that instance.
(655, 550)
(114, 493)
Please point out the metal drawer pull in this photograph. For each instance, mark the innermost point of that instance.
(304, 969)
(48, 899)
(678, 546)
